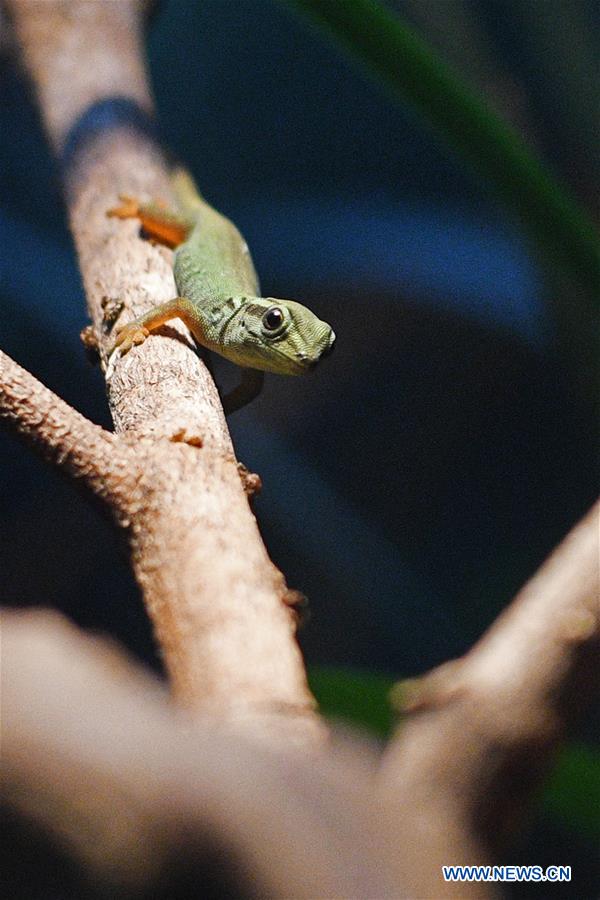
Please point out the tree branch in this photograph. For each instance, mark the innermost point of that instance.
(483, 728)
(62, 435)
(94, 50)
(218, 604)
(93, 754)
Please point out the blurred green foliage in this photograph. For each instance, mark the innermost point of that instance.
(572, 793)
(356, 697)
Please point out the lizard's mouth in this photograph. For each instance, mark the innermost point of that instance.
(294, 364)
(310, 362)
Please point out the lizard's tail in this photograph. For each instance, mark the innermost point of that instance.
(186, 192)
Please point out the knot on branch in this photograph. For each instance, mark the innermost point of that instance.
(251, 481)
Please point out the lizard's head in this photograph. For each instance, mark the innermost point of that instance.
(276, 336)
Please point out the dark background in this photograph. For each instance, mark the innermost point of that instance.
(415, 480)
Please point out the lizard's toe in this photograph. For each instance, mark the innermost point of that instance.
(130, 336)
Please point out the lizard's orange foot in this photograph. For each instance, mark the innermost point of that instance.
(129, 336)
(129, 210)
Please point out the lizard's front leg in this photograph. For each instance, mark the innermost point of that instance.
(137, 331)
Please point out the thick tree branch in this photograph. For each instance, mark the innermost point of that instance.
(483, 728)
(217, 602)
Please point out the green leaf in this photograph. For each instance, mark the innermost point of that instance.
(357, 697)
(413, 71)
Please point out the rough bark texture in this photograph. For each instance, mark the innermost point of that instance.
(217, 602)
(63, 436)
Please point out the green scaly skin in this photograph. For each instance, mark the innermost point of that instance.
(219, 298)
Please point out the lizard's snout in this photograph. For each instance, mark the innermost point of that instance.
(330, 347)
(326, 351)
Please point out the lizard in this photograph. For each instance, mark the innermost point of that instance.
(219, 296)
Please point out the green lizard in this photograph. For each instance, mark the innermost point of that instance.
(219, 295)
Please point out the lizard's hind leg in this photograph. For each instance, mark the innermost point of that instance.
(160, 223)
(249, 387)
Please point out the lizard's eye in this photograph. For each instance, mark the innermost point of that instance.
(272, 319)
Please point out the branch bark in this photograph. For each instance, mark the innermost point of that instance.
(218, 604)
(144, 796)
(92, 752)
(63, 436)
